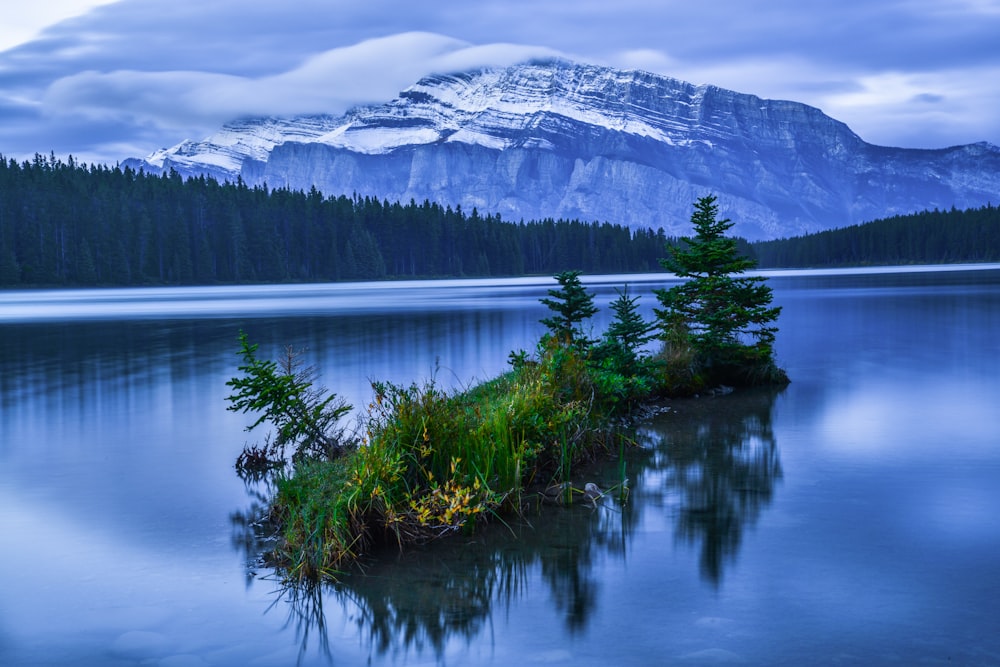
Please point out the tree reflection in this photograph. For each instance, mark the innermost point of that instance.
(304, 604)
(423, 599)
(712, 463)
(251, 534)
(719, 462)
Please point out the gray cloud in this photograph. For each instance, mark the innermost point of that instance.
(137, 75)
(329, 82)
(928, 98)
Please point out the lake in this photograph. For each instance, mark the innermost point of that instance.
(851, 519)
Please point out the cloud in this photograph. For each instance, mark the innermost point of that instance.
(930, 109)
(151, 73)
(331, 82)
(928, 98)
(23, 20)
(649, 60)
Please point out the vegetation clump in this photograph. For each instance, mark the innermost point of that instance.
(432, 463)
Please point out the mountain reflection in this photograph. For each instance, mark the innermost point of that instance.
(717, 463)
(711, 463)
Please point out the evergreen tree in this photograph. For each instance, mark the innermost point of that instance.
(572, 304)
(626, 334)
(85, 273)
(284, 394)
(143, 228)
(726, 319)
(628, 329)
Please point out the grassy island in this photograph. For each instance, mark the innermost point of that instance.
(430, 463)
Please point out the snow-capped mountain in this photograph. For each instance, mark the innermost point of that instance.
(564, 140)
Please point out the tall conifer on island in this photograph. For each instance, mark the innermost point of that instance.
(726, 319)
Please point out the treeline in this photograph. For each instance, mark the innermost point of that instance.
(931, 237)
(65, 223)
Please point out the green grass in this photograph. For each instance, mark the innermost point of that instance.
(435, 463)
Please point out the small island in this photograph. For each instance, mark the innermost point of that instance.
(430, 463)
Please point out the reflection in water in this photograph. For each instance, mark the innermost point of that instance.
(251, 533)
(716, 458)
(425, 598)
(305, 613)
(718, 461)
(116, 447)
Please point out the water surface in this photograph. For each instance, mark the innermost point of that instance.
(849, 519)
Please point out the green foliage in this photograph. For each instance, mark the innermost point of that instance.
(283, 395)
(726, 318)
(315, 510)
(625, 336)
(572, 305)
(679, 372)
(437, 463)
(69, 224)
(628, 329)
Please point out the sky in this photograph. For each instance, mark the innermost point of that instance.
(104, 80)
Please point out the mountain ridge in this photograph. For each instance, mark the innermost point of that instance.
(556, 139)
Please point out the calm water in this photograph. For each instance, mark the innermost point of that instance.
(853, 518)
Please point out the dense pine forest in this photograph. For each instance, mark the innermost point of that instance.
(931, 237)
(69, 224)
(63, 223)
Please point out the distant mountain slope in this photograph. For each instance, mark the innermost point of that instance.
(564, 140)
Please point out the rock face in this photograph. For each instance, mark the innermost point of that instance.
(564, 140)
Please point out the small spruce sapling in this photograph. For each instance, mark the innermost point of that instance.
(572, 304)
(629, 330)
(283, 394)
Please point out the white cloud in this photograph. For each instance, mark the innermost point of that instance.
(330, 82)
(648, 60)
(24, 20)
(932, 108)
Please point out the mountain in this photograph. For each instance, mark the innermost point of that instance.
(565, 140)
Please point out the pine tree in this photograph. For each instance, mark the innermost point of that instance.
(727, 320)
(626, 333)
(572, 304)
(628, 328)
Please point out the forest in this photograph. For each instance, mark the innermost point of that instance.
(68, 224)
(74, 225)
(929, 237)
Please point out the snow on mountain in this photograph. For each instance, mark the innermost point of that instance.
(559, 139)
(224, 153)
